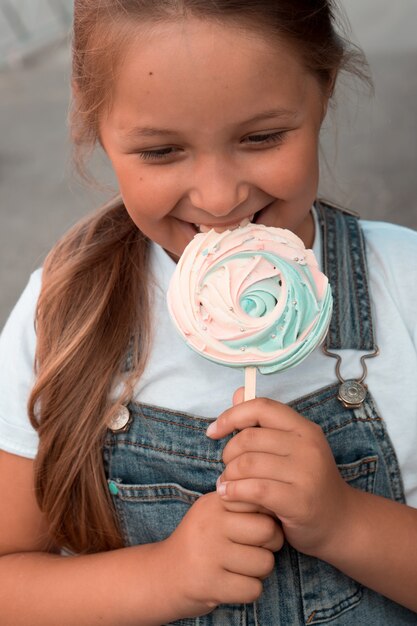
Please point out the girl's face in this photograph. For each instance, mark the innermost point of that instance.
(211, 125)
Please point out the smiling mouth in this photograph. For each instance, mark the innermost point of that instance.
(219, 228)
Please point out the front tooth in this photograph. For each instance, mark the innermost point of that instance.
(246, 221)
(242, 224)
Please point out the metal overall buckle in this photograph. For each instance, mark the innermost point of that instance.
(120, 420)
(352, 392)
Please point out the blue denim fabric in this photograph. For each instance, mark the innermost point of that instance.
(344, 263)
(164, 461)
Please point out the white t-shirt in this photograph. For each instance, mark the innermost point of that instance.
(179, 379)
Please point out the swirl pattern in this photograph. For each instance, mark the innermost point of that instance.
(253, 296)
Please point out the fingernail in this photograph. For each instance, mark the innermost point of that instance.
(212, 429)
(221, 489)
(218, 481)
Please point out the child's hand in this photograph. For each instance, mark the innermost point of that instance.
(286, 467)
(217, 557)
(244, 507)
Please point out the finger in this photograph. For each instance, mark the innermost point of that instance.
(238, 396)
(271, 494)
(277, 540)
(254, 529)
(237, 589)
(259, 465)
(244, 507)
(279, 442)
(249, 561)
(258, 412)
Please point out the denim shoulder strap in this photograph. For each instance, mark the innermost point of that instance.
(344, 263)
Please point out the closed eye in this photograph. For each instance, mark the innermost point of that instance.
(256, 140)
(277, 137)
(160, 154)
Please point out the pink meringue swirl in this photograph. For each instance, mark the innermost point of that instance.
(253, 296)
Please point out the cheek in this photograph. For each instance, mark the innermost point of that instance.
(143, 194)
(142, 209)
(292, 172)
(301, 164)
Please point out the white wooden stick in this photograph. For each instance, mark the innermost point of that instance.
(250, 383)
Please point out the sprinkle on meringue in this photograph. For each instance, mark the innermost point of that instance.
(242, 298)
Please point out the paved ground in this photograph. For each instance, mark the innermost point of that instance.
(372, 158)
(25, 25)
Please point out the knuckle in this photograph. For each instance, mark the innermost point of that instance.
(254, 591)
(212, 604)
(316, 454)
(245, 463)
(259, 490)
(269, 527)
(214, 600)
(278, 542)
(269, 562)
(246, 437)
(264, 403)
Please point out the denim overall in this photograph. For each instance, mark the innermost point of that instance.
(162, 461)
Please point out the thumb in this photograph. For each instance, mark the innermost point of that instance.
(238, 396)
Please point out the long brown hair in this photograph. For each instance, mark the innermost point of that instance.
(94, 302)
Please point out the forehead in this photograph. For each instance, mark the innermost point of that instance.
(207, 72)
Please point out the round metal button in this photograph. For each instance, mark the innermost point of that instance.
(120, 419)
(352, 394)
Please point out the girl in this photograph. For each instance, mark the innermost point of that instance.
(210, 113)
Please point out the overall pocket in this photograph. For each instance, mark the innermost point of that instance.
(327, 592)
(150, 513)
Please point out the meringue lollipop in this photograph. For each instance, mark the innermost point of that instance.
(252, 297)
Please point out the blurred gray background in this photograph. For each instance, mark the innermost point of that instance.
(370, 143)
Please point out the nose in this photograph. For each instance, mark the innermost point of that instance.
(217, 188)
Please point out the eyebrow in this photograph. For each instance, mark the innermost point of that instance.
(148, 131)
